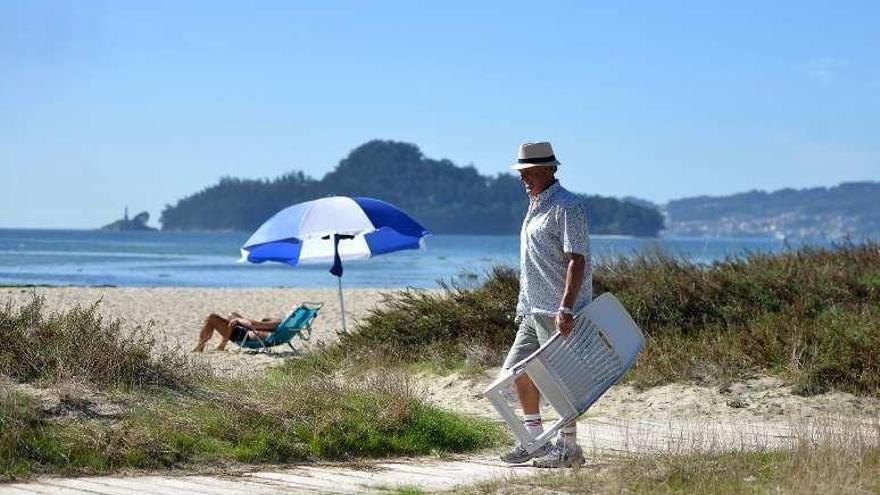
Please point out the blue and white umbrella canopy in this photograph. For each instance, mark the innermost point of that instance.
(306, 232)
(335, 229)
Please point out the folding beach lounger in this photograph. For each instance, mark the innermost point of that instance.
(297, 323)
(573, 372)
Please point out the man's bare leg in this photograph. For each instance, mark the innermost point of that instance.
(529, 398)
(528, 393)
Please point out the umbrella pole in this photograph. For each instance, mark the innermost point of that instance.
(341, 303)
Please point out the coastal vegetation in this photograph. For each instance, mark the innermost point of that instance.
(809, 315)
(842, 464)
(445, 198)
(80, 395)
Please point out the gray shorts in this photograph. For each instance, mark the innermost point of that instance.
(533, 331)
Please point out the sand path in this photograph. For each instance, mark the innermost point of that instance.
(378, 477)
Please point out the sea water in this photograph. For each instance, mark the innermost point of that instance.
(176, 259)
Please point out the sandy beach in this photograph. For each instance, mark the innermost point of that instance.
(177, 313)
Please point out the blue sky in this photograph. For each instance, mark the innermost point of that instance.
(105, 104)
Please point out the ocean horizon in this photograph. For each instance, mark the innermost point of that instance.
(71, 257)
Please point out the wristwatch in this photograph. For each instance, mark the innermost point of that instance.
(565, 310)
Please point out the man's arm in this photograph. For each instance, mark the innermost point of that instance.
(574, 278)
(576, 247)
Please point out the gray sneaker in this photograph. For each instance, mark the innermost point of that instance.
(561, 456)
(519, 455)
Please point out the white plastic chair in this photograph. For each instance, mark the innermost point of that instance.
(573, 372)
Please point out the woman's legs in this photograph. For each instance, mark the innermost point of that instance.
(214, 322)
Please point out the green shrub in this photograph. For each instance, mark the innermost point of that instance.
(412, 325)
(265, 424)
(285, 415)
(809, 314)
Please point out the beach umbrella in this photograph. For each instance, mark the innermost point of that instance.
(333, 229)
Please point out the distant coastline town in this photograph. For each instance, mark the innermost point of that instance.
(849, 210)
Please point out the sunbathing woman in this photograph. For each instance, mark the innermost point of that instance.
(236, 328)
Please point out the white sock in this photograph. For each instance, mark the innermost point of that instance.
(568, 435)
(533, 424)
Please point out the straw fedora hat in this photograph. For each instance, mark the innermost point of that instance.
(535, 155)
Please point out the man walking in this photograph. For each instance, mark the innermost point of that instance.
(555, 283)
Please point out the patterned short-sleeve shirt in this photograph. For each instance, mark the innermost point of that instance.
(555, 224)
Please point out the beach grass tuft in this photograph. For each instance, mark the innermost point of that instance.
(317, 420)
(81, 344)
(459, 326)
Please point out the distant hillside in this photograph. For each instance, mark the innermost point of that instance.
(446, 198)
(639, 202)
(848, 210)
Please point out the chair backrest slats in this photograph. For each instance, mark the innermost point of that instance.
(582, 363)
(292, 325)
(573, 372)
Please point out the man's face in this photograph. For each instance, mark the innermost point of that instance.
(536, 179)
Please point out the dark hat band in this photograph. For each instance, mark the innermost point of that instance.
(551, 158)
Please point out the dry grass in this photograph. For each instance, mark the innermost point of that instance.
(459, 324)
(81, 345)
(838, 462)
